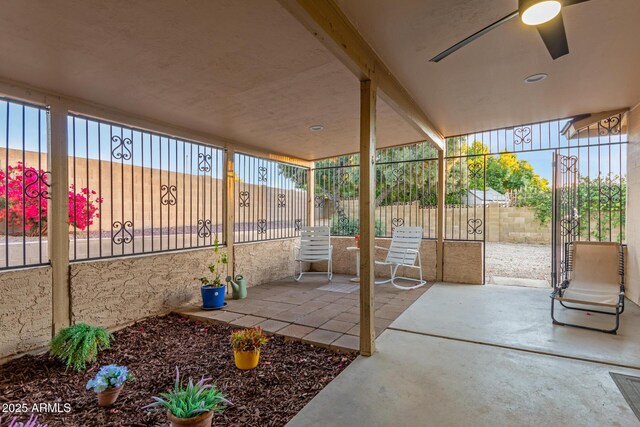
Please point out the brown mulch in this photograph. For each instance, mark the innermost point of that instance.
(290, 374)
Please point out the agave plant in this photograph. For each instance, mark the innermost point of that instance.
(190, 400)
(79, 344)
(32, 422)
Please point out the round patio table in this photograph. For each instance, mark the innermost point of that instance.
(357, 251)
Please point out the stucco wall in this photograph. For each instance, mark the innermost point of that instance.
(463, 262)
(117, 292)
(344, 261)
(25, 310)
(633, 207)
(261, 262)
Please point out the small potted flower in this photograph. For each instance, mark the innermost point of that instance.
(212, 289)
(357, 239)
(108, 383)
(191, 405)
(246, 344)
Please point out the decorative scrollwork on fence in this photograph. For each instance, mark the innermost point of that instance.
(297, 225)
(244, 199)
(396, 222)
(262, 226)
(475, 168)
(204, 228)
(396, 174)
(262, 174)
(318, 201)
(37, 184)
(282, 200)
(522, 135)
(204, 162)
(610, 126)
(610, 194)
(122, 150)
(568, 164)
(474, 226)
(344, 176)
(569, 226)
(168, 195)
(123, 233)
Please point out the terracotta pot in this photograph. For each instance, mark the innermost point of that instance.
(202, 420)
(246, 359)
(109, 396)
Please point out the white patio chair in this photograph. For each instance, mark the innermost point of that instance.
(315, 246)
(404, 251)
(594, 279)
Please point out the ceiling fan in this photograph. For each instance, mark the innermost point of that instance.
(545, 15)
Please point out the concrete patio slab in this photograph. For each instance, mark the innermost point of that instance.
(414, 379)
(519, 317)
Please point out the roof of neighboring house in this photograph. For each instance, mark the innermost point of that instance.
(490, 196)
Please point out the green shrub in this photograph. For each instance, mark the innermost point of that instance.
(346, 226)
(79, 344)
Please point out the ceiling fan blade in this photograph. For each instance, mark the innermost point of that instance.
(554, 37)
(439, 57)
(566, 3)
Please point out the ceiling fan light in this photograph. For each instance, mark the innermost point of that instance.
(536, 12)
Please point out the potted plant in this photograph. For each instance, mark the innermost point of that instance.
(212, 289)
(108, 383)
(246, 344)
(191, 405)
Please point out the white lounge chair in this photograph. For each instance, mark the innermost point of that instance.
(315, 246)
(594, 278)
(404, 251)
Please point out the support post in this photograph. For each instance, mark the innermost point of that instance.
(311, 196)
(442, 167)
(367, 215)
(58, 220)
(228, 196)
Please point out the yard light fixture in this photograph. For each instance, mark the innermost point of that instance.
(536, 12)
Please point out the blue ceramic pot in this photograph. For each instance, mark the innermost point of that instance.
(213, 297)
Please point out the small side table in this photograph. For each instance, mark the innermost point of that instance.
(357, 251)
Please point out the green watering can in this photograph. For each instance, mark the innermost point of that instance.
(238, 286)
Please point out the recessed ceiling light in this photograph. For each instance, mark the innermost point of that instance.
(316, 128)
(536, 12)
(535, 78)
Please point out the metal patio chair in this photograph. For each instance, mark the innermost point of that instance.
(315, 246)
(594, 278)
(404, 251)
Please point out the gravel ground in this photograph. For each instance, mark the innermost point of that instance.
(289, 375)
(519, 260)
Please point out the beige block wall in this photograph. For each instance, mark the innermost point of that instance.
(261, 262)
(463, 262)
(633, 207)
(344, 261)
(25, 310)
(116, 292)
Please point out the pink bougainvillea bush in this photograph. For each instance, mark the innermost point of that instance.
(24, 198)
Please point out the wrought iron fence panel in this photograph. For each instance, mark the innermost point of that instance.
(406, 191)
(139, 191)
(24, 184)
(271, 199)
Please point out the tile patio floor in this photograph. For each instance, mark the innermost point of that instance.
(304, 311)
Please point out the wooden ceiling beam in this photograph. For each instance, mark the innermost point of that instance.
(325, 20)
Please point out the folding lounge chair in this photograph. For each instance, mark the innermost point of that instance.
(594, 281)
(315, 246)
(404, 251)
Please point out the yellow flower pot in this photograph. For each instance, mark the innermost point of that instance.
(246, 359)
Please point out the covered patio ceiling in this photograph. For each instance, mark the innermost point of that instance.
(250, 72)
(482, 85)
(245, 71)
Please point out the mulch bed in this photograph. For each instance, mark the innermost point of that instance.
(290, 374)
